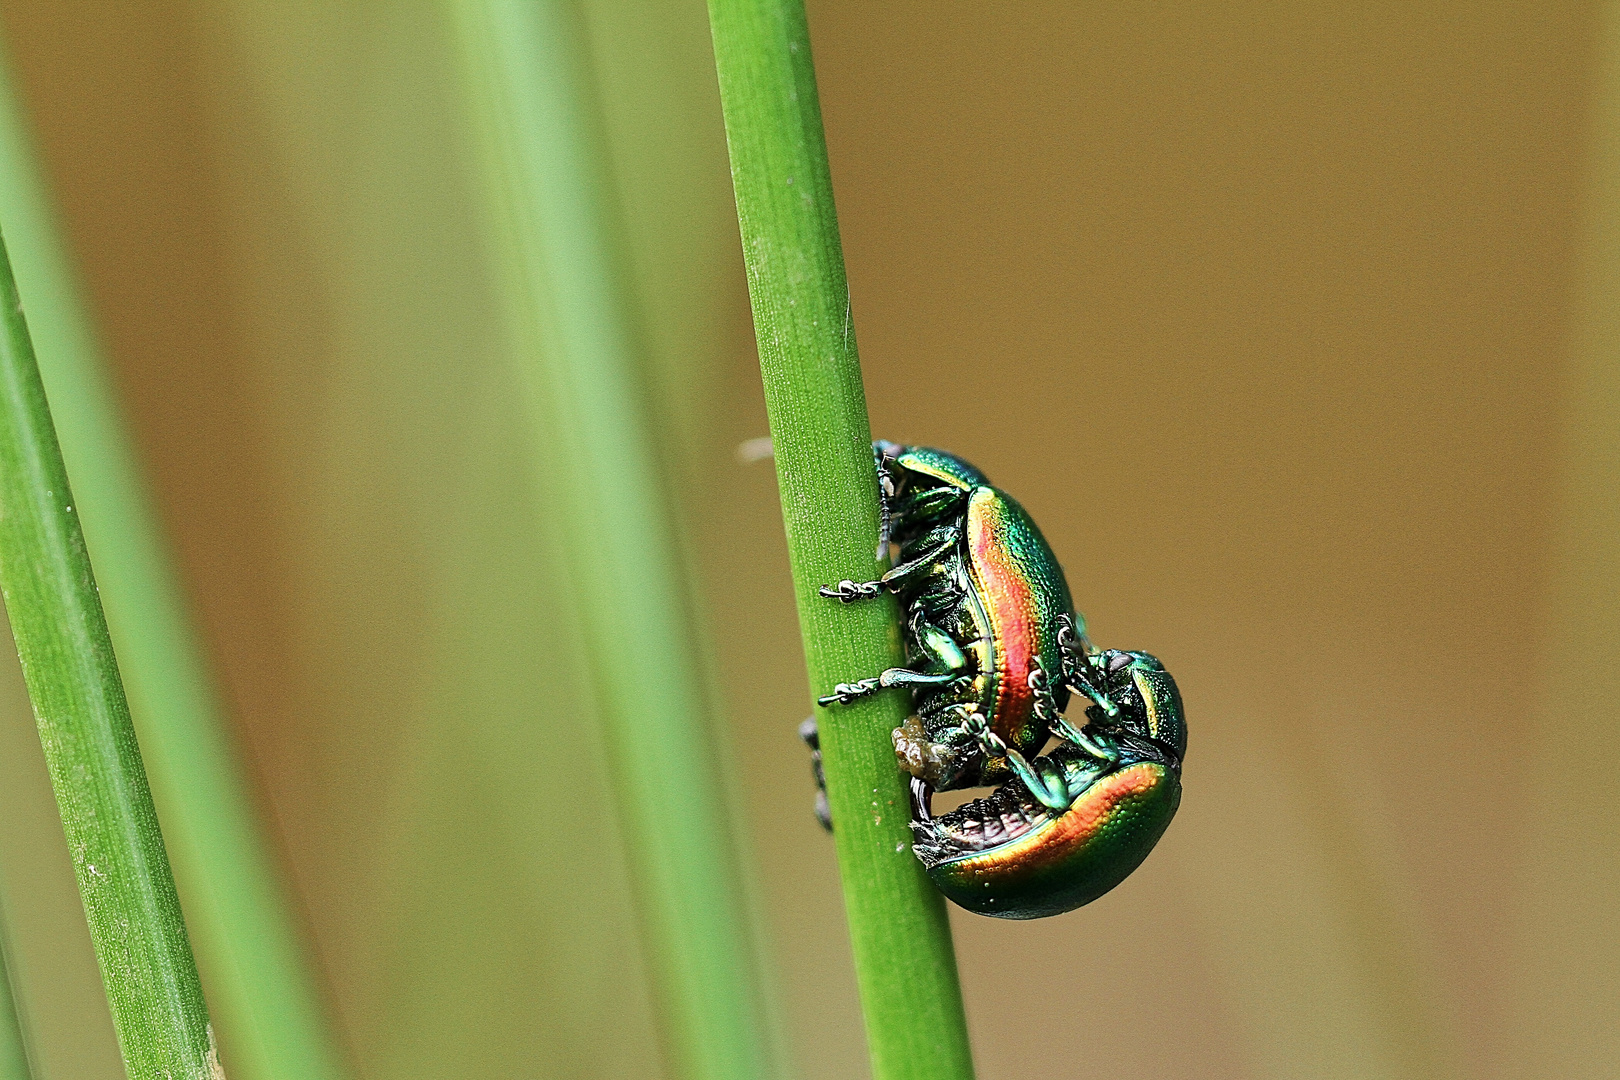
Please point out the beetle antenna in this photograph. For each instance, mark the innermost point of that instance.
(886, 492)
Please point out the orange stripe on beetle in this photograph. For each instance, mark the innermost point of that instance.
(1010, 604)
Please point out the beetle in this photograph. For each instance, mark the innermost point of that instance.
(994, 650)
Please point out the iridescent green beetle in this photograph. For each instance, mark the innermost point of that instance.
(994, 648)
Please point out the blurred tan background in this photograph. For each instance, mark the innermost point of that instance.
(1287, 323)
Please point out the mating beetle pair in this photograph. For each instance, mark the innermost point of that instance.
(994, 648)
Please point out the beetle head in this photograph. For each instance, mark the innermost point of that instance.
(1149, 703)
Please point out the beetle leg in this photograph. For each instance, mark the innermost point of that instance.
(901, 575)
(938, 652)
(943, 662)
(1083, 686)
(896, 579)
(1045, 706)
(1058, 725)
(850, 591)
(1077, 662)
(1069, 733)
(1044, 780)
(1071, 635)
(812, 739)
(844, 693)
(1078, 676)
(897, 676)
(978, 729)
(930, 504)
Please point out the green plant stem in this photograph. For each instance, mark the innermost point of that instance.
(570, 328)
(13, 1042)
(263, 990)
(903, 955)
(101, 788)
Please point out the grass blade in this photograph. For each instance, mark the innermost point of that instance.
(84, 726)
(570, 327)
(902, 944)
(263, 990)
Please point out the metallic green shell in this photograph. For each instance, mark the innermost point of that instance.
(1018, 591)
(1068, 860)
(938, 465)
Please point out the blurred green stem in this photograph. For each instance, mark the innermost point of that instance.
(569, 324)
(13, 1042)
(902, 943)
(101, 789)
(269, 1009)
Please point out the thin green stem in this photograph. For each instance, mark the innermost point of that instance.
(253, 960)
(902, 944)
(569, 326)
(95, 765)
(14, 1063)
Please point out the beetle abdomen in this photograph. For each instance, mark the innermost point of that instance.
(1020, 586)
(1060, 863)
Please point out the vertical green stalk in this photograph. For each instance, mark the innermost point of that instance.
(264, 992)
(101, 789)
(902, 944)
(570, 327)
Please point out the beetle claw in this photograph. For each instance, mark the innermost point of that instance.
(978, 728)
(844, 693)
(849, 591)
